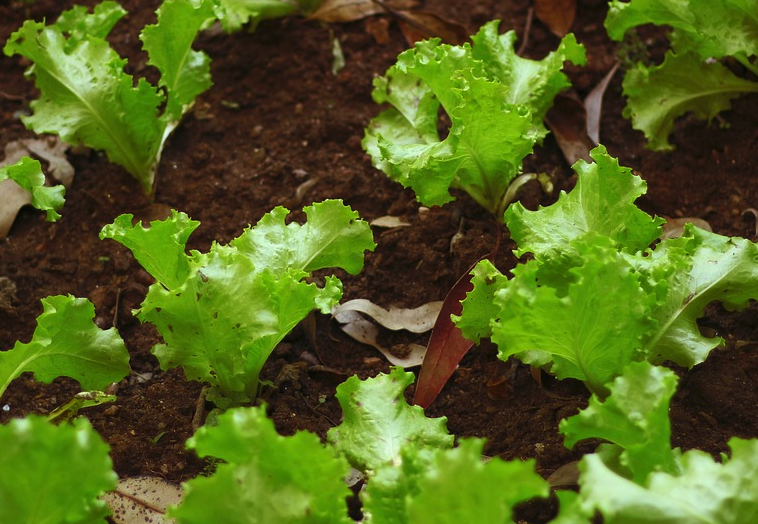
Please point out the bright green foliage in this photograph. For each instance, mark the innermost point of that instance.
(704, 491)
(236, 13)
(67, 343)
(688, 81)
(27, 173)
(264, 477)
(602, 202)
(53, 474)
(86, 96)
(593, 299)
(378, 423)
(495, 99)
(635, 417)
(457, 487)
(222, 313)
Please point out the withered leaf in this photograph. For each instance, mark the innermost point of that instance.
(351, 10)
(557, 15)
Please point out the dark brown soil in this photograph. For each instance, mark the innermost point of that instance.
(277, 117)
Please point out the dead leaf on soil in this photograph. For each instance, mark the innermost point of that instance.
(416, 320)
(389, 222)
(366, 332)
(142, 500)
(593, 105)
(557, 15)
(565, 476)
(674, 227)
(420, 25)
(351, 10)
(12, 196)
(568, 121)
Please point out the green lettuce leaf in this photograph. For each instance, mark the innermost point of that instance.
(86, 96)
(703, 491)
(67, 343)
(378, 423)
(53, 473)
(601, 202)
(709, 28)
(683, 83)
(495, 101)
(264, 477)
(635, 417)
(28, 174)
(222, 313)
(236, 13)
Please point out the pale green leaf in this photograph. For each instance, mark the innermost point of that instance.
(479, 307)
(602, 202)
(160, 248)
(185, 73)
(78, 23)
(236, 13)
(458, 487)
(704, 492)
(53, 474)
(27, 173)
(378, 423)
(67, 343)
(682, 84)
(265, 477)
(635, 417)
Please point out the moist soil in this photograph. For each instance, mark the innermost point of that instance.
(278, 118)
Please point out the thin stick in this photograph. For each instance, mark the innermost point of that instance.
(527, 30)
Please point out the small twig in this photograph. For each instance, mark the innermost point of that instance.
(12, 97)
(527, 30)
(753, 212)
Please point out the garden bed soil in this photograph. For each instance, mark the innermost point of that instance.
(277, 117)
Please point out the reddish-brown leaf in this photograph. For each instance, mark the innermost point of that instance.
(557, 15)
(420, 25)
(446, 346)
(567, 120)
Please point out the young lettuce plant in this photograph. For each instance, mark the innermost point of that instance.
(413, 474)
(496, 102)
(692, 77)
(636, 477)
(87, 98)
(222, 313)
(53, 473)
(67, 343)
(595, 298)
(27, 173)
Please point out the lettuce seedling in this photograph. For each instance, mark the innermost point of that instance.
(412, 473)
(87, 98)
(233, 14)
(28, 174)
(496, 102)
(67, 343)
(638, 478)
(53, 473)
(222, 313)
(593, 298)
(692, 77)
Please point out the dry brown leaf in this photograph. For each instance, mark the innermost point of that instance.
(565, 476)
(142, 500)
(378, 27)
(389, 222)
(557, 15)
(568, 121)
(351, 10)
(420, 25)
(593, 105)
(416, 320)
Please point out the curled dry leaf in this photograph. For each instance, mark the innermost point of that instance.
(389, 222)
(674, 227)
(557, 15)
(417, 320)
(142, 500)
(566, 476)
(568, 122)
(351, 10)
(366, 332)
(593, 105)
